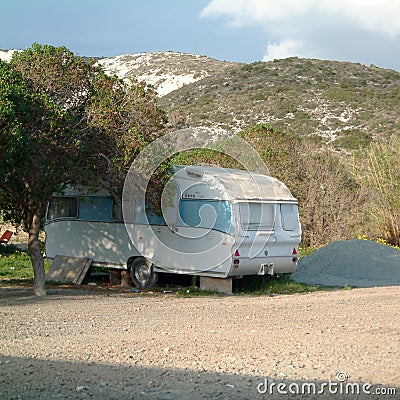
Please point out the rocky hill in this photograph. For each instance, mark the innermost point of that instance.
(165, 71)
(343, 104)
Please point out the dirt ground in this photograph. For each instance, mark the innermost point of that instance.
(85, 344)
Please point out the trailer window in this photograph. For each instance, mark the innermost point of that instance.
(289, 216)
(209, 214)
(117, 211)
(62, 207)
(95, 209)
(257, 216)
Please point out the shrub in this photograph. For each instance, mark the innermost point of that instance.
(380, 173)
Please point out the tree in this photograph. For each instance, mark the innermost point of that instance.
(63, 121)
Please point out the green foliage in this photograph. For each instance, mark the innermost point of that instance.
(205, 157)
(26, 119)
(63, 121)
(266, 285)
(353, 139)
(15, 263)
(378, 169)
(279, 150)
(299, 96)
(329, 196)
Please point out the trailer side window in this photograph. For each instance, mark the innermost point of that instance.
(95, 209)
(257, 216)
(117, 211)
(289, 216)
(62, 207)
(209, 214)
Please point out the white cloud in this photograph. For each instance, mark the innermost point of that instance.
(247, 12)
(285, 49)
(356, 30)
(380, 16)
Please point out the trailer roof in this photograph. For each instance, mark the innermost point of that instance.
(238, 184)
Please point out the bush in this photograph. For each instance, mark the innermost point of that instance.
(329, 197)
(380, 173)
(353, 139)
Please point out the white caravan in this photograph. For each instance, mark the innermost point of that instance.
(216, 222)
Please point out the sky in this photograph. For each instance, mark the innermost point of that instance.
(364, 31)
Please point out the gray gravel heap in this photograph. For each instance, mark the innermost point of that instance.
(359, 263)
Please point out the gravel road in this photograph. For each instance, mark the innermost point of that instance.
(120, 345)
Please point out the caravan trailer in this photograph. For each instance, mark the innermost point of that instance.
(216, 222)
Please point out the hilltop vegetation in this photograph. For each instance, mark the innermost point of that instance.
(341, 104)
(338, 103)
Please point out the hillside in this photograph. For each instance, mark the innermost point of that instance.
(339, 103)
(343, 104)
(165, 71)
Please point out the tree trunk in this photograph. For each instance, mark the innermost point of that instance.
(36, 256)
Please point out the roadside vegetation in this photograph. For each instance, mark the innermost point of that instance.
(16, 269)
(16, 265)
(266, 285)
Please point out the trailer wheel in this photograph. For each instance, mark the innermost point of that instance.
(142, 273)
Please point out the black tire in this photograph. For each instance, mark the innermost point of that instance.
(142, 273)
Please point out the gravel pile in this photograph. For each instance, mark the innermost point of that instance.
(359, 263)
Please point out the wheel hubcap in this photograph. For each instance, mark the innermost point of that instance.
(142, 273)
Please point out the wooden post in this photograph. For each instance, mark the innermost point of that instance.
(126, 280)
(115, 276)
